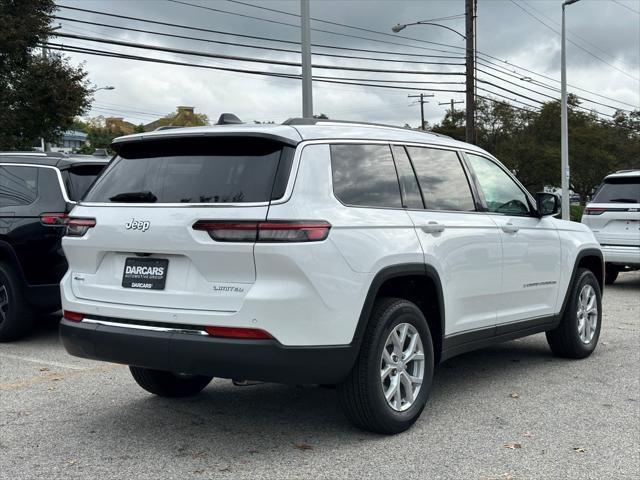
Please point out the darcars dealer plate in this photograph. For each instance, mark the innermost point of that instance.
(145, 273)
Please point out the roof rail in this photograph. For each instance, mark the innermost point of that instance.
(34, 154)
(325, 121)
(167, 127)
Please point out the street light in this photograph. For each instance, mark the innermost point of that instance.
(401, 26)
(108, 87)
(564, 127)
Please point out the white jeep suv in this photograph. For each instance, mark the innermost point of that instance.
(614, 216)
(318, 252)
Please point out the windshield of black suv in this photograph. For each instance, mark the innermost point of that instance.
(194, 170)
(78, 179)
(618, 190)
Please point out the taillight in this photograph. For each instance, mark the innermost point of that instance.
(594, 211)
(73, 316)
(268, 232)
(54, 219)
(77, 227)
(236, 332)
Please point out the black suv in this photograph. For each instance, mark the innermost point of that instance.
(37, 191)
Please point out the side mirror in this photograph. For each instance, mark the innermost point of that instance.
(547, 204)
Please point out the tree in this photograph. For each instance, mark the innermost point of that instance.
(39, 95)
(183, 118)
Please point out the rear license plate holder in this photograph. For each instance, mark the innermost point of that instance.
(145, 273)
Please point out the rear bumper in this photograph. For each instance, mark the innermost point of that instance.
(623, 255)
(177, 351)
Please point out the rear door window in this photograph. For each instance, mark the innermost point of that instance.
(618, 190)
(365, 175)
(193, 170)
(78, 179)
(442, 179)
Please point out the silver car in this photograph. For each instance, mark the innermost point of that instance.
(614, 216)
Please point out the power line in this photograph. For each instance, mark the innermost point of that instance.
(569, 32)
(255, 37)
(626, 6)
(88, 51)
(259, 47)
(499, 68)
(572, 42)
(248, 59)
(218, 10)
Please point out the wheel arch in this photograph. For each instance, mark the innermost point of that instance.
(8, 255)
(417, 282)
(591, 259)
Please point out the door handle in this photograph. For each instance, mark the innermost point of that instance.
(433, 227)
(510, 228)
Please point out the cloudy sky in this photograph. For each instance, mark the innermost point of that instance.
(517, 42)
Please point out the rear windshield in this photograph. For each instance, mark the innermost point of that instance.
(618, 190)
(78, 179)
(195, 170)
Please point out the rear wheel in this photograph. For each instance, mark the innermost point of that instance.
(388, 387)
(579, 330)
(169, 384)
(610, 273)
(17, 317)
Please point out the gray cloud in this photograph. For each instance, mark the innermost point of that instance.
(504, 31)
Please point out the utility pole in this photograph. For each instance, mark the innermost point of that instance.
(422, 101)
(470, 13)
(564, 127)
(46, 146)
(452, 104)
(307, 93)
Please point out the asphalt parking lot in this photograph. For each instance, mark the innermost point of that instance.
(508, 412)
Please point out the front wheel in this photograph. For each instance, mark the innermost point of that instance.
(388, 386)
(579, 330)
(169, 384)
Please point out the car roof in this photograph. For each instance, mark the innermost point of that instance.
(52, 159)
(623, 174)
(295, 132)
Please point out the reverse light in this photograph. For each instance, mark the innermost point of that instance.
(54, 219)
(73, 316)
(77, 227)
(267, 232)
(236, 332)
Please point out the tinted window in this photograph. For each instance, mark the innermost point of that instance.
(365, 175)
(501, 193)
(79, 179)
(619, 190)
(411, 197)
(18, 185)
(197, 170)
(442, 179)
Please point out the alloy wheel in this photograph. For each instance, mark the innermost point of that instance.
(587, 313)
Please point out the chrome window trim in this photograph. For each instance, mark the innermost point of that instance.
(65, 196)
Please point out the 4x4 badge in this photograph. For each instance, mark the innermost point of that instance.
(142, 225)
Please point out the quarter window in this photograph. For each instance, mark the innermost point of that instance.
(500, 192)
(18, 185)
(364, 175)
(442, 179)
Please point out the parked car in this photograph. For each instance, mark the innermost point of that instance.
(37, 191)
(614, 216)
(318, 252)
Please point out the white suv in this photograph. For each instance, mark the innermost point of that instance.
(318, 252)
(614, 216)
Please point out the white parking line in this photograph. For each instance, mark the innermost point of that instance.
(42, 362)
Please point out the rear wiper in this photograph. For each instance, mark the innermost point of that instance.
(134, 197)
(623, 200)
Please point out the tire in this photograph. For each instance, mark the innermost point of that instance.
(362, 394)
(169, 384)
(610, 273)
(17, 317)
(568, 339)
